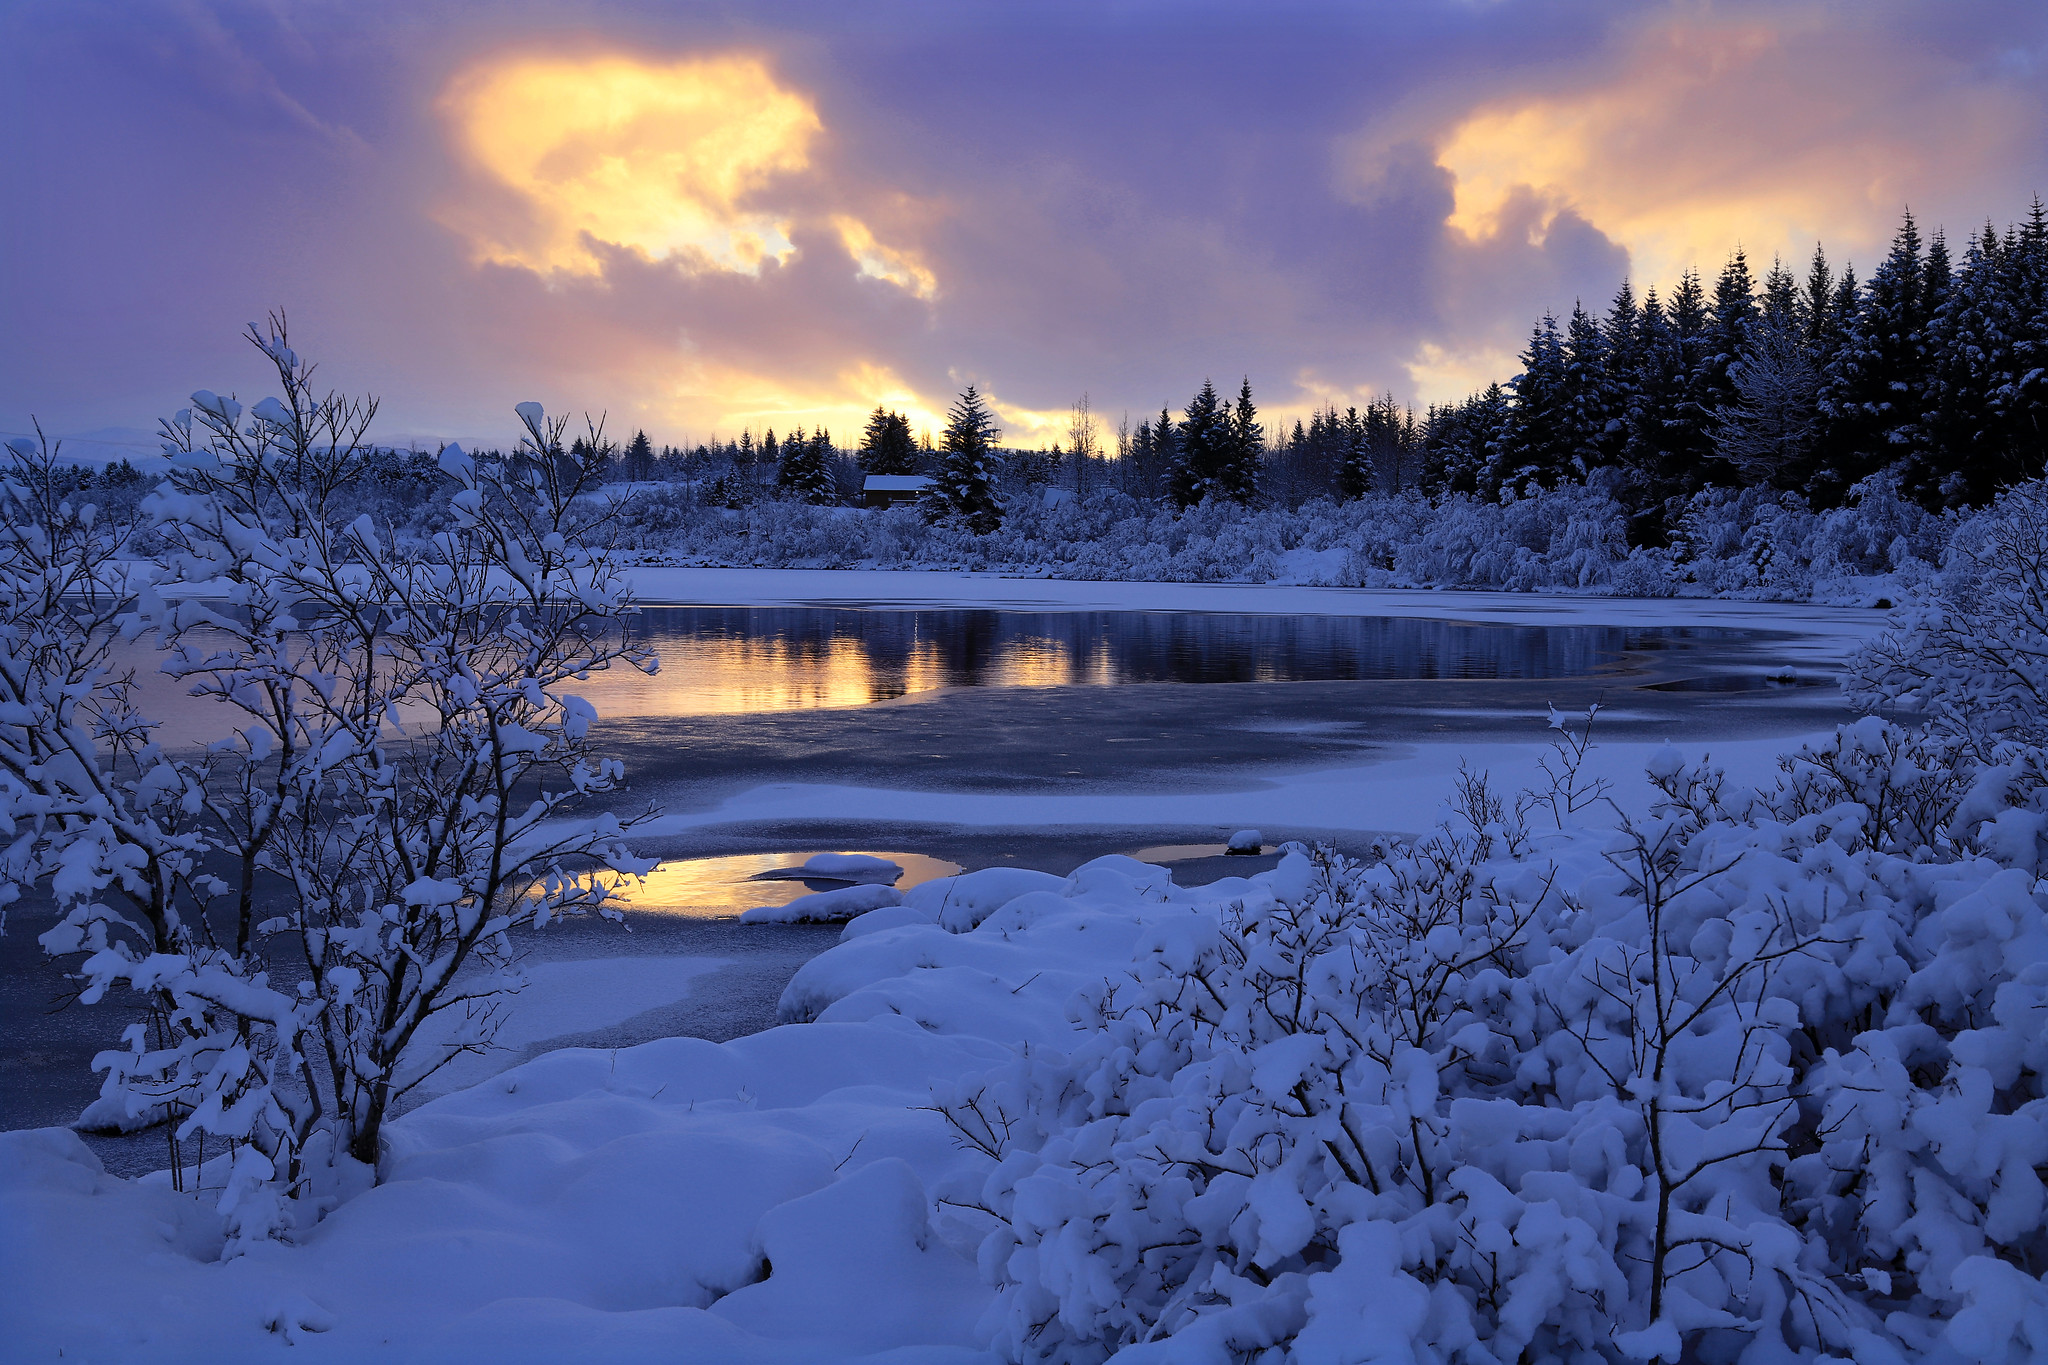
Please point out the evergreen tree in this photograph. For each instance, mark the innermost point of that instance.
(1204, 450)
(1352, 445)
(2019, 401)
(805, 469)
(886, 446)
(1820, 306)
(1778, 301)
(1874, 386)
(768, 457)
(638, 459)
(1688, 435)
(1165, 456)
(1244, 450)
(965, 486)
(1586, 398)
(1622, 339)
(1532, 450)
(1982, 334)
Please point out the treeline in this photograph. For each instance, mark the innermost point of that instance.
(1934, 371)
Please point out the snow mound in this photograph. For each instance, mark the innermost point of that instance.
(888, 917)
(959, 903)
(852, 867)
(1245, 841)
(826, 907)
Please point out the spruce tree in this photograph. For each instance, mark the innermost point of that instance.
(1586, 399)
(965, 486)
(1532, 448)
(1244, 450)
(2020, 399)
(1820, 305)
(805, 470)
(1874, 387)
(638, 459)
(1621, 337)
(1203, 451)
(1165, 455)
(1688, 453)
(1352, 440)
(886, 446)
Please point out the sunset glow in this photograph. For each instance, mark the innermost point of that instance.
(701, 219)
(1705, 140)
(662, 159)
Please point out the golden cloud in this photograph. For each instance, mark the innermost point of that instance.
(1770, 131)
(667, 159)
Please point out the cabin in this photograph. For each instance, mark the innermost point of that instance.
(893, 490)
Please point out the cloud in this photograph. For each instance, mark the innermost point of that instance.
(1769, 127)
(666, 158)
(699, 216)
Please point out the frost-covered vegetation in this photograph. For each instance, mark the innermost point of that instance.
(304, 899)
(1750, 543)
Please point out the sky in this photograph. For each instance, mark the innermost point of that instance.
(703, 218)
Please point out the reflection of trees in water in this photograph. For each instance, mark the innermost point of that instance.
(969, 648)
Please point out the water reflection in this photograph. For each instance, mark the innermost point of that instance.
(735, 660)
(731, 660)
(720, 888)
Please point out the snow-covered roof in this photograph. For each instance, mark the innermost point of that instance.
(896, 483)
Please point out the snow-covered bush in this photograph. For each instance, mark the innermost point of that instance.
(1757, 543)
(1974, 653)
(1759, 1075)
(385, 797)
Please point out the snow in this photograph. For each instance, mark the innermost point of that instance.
(965, 1128)
(1245, 841)
(826, 907)
(562, 998)
(907, 589)
(852, 867)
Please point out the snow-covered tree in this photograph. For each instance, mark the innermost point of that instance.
(389, 797)
(805, 471)
(886, 446)
(964, 490)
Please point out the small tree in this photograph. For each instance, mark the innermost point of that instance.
(965, 488)
(1084, 443)
(376, 818)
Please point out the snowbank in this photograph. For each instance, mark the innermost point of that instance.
(825, 907)
(1475, 1100)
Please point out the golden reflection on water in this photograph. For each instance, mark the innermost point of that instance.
(719, 888)
(720, 675)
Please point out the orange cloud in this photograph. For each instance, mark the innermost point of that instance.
(1768, 127)
(662, 158)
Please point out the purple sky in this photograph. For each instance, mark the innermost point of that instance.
(704, 217)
